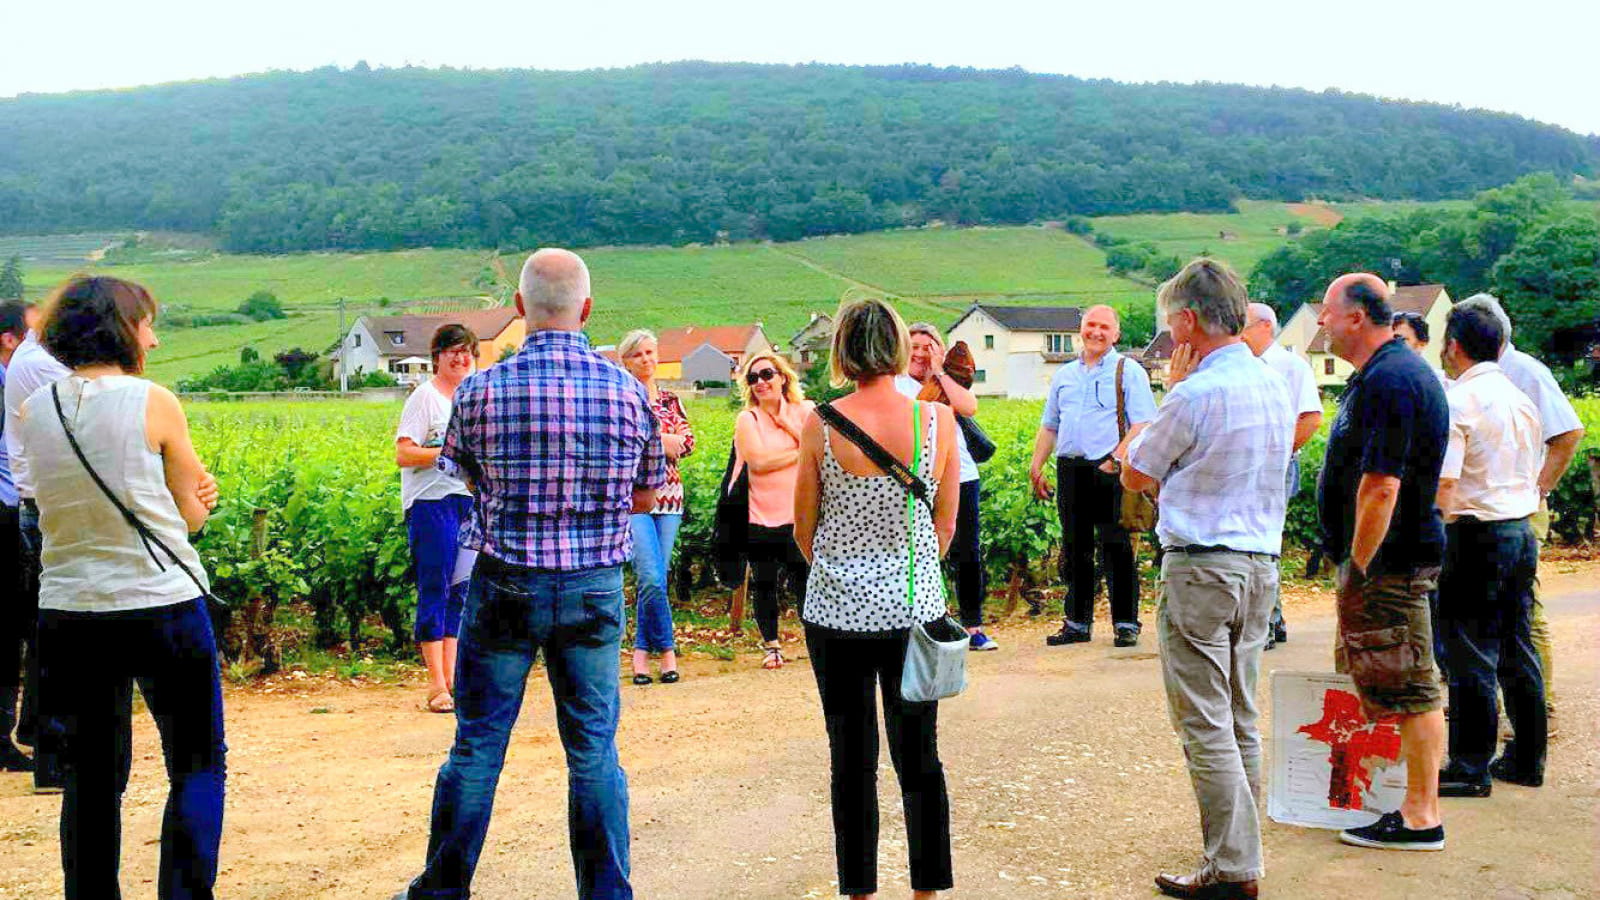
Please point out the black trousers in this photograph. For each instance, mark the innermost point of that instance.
(16, 621)
(772, 551)
(1089, 503)
(966, 557)
(1486, 608)
(849, 670)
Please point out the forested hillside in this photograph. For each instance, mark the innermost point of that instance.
(697, 152)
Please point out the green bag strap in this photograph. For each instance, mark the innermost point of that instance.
(911, 510)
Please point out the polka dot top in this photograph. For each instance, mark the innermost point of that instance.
(858, 567)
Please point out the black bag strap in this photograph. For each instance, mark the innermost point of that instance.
(880, 457)
(145, 534)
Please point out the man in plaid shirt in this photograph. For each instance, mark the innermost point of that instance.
(561, 447)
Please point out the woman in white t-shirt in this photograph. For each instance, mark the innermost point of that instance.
(436, 505)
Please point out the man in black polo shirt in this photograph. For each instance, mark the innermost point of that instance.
(1376, 499)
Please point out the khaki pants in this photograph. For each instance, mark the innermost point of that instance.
(1541, 628)
(1212, 627)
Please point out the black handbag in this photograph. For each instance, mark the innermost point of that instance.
(979, 445)
(731, 533)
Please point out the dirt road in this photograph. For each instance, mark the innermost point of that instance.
(1065, 779)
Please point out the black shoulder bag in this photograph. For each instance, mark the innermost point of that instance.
(730, 533)
(148, 537)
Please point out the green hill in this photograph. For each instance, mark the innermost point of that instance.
(684, 153)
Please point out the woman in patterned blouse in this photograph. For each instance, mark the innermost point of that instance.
(654, 532)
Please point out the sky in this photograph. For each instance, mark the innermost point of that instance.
(1535, 58)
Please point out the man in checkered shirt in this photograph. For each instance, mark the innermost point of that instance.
(1219, 447)
(560, 447)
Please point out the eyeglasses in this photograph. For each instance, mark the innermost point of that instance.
(457, 351)
(751, 378)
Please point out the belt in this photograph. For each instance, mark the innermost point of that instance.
(1082, 460)
(1203, 549)
(1464, 521)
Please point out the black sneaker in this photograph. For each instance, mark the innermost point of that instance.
(1280, 632)
(1503, 769)
(1069, 634)
(1272, 643)
(1455, 783)
(1390, 833)
(14, 760)
(1126, 637)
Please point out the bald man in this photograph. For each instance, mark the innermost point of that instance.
(1080, 427)
(561, 447)
(1376, 498)
(1260, 335)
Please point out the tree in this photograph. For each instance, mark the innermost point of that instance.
(295, 362)
(261, 306)
(11, 279)
(249, 355)
(1550, 281)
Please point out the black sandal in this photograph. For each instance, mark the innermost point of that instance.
(645, 679)
(669, 677)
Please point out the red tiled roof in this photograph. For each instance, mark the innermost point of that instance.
(673, 344)
(416, 332)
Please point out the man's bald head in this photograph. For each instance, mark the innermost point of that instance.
(554, 286)
(1260, 312)
(1104, 314)
(1364, 291)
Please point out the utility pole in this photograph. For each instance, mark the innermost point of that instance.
(344, 369)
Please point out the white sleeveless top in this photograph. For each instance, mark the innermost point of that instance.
(859, 554)
(93, 560)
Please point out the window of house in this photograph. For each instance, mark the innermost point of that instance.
(357, 337)
(980, 376)
(397, 338)
(988, 342)
(1058, 343)
(1327, 366)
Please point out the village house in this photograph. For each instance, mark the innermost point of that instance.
(401, 345)
(1017, 349)
(809, 342)
(694, 354)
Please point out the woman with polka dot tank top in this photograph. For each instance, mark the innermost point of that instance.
(875, 574)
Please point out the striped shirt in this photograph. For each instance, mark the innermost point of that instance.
(556, 439)
(1220, 446)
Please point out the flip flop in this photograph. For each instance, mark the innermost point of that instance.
(441, 702)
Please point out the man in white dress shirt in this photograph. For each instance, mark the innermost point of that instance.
(1561, 431)
(1260, 336)
(1488, 491)
(1219, 447)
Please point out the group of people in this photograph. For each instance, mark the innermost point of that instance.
(529, 485)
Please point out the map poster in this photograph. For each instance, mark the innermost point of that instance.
(1331, 767)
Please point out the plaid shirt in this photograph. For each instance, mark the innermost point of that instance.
(1220, 446)
(555, 439)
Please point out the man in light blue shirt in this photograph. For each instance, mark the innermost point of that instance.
(1219, 447)
(1080, 427)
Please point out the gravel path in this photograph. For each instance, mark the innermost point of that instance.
(1065, 780)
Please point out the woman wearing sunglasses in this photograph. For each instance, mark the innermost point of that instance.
(767, 440)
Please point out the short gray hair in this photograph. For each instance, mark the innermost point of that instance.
(1491, 305)
(926, 328)
(632, 340)
(554, 282)
(1261, 312)
(1212, 290)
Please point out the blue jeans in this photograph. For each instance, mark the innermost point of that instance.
(653, 537)
(512, 615)
(88, 663)
(433, 529)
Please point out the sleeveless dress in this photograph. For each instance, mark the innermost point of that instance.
(860, 552)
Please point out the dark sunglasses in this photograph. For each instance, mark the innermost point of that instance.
(751, 378)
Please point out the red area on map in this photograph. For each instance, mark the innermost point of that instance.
(1354, 741)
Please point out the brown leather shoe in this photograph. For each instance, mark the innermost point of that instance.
(1193, 887)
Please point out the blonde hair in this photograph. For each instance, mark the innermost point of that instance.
(791, 382)
(869, 339)
(632, 340)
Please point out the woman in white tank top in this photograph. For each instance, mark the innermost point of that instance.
(121, 602)
(874, 574)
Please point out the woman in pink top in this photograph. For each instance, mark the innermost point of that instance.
(767, 440)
